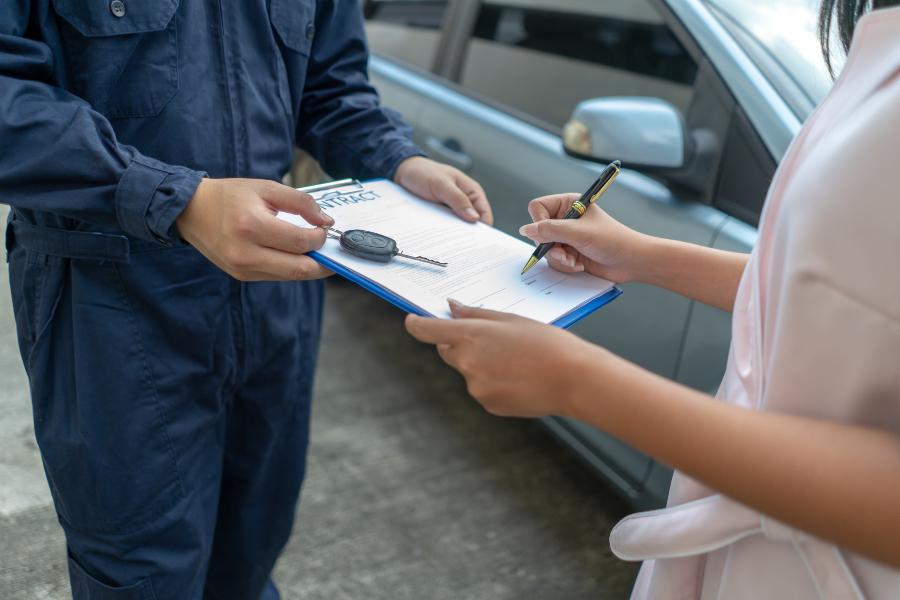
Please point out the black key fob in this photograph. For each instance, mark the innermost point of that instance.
(368, 245)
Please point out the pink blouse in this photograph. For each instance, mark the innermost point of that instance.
(816, 332)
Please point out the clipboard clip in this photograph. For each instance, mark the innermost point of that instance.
(334, 188)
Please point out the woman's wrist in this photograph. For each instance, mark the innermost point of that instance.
(643, 258)
(584, 382)
(622, 398)
(704, 274)
(659, 260)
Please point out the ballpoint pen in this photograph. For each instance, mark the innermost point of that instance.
(579, 207)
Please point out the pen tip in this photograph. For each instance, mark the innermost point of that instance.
(531, 262)
(617, 163)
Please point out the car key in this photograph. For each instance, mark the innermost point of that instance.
(373, 246)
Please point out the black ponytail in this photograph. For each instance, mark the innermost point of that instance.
(843, 15)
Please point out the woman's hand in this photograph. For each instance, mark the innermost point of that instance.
(602, 246)
(595, 243)
(443, 184)
(512, 365)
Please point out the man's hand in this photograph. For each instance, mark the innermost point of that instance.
(233, 223)
(513, 366)
(443, 184)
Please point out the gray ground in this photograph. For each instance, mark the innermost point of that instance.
(413, 492)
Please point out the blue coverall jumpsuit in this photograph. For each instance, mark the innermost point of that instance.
(171, 402)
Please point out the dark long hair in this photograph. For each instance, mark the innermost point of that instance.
(843, 14)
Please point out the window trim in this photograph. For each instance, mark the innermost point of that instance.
(575, 52)
(772, 118)
(473, 95)
(453, 45)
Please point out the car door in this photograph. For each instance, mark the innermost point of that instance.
(495, 109)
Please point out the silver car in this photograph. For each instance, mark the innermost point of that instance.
(699, 99)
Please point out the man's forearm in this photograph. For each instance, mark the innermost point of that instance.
(703, 274)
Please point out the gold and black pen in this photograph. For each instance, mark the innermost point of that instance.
(579, 207)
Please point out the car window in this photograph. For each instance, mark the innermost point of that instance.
(780, 37)
(543, 57)
(408, 30)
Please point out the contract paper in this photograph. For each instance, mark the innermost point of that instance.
(484, 264)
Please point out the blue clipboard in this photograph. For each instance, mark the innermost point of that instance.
(565, 321)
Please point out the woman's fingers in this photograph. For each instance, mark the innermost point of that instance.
(461, 311)
(565, 259)
(551, 207)
(445, 351)
(435, 331)
(558, 253)
(563, 231)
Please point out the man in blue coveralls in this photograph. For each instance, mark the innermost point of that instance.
(171, 397)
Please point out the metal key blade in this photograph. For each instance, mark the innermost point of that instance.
(423, 259)
(333, 233)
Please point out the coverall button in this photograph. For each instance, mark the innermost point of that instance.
(117, 8)
(310, 31)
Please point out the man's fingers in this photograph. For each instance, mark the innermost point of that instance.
(281, 235)
(290, 267)
(266, 264)
(551, 207)
(447, 192)
(483, 207)
(477, 197)
(287, 199)
(435, 331)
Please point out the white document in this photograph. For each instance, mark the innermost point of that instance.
(484, 264)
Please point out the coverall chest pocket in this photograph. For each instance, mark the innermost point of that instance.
(295, 22)
(121, 56)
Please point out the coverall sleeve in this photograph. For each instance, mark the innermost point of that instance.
(58, 155)
(342, 123)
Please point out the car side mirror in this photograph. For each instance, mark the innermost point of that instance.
(644, 133)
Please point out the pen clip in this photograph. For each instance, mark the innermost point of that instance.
(333, 188)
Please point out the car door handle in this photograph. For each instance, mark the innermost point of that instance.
(449, 151)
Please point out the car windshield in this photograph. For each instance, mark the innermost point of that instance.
(780, 37)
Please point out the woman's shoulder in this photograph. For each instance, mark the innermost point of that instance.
(875, 50)
(840, 220)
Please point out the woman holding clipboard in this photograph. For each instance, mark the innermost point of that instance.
(788, 482)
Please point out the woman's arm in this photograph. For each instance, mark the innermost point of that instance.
(602, 246)
(838, 482)
(704, 274)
